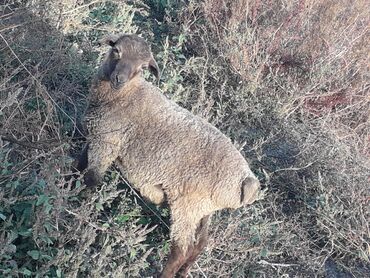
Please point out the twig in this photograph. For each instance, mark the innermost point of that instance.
(81, 218)
(295, 168)
(12, 26)
(6, 15)
(27, 163)
(39, 84)
(81, 7)
(32, 145)
(274, 265)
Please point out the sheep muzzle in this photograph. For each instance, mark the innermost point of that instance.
(122, 73)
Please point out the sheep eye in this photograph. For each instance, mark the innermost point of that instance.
(115, 53)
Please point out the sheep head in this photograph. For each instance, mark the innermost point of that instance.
(128, 56)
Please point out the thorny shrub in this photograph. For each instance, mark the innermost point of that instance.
(288, 81)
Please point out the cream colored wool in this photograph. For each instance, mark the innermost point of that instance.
(165, 152)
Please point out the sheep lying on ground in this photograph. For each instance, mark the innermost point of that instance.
(166, 152)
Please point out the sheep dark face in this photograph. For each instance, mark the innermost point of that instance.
(128, 56)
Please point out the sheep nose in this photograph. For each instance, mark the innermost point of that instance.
(121, 79)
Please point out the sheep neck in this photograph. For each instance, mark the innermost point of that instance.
(102, 92)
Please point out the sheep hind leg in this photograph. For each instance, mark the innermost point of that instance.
(183, 234)
(175, 260)
(202, 238)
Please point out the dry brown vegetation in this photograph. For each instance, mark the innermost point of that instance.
(288, 81)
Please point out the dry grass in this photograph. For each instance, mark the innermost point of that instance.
(288, 81)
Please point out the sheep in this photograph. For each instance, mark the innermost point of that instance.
(167, 153)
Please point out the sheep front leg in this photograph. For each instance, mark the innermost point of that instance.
(101, 154)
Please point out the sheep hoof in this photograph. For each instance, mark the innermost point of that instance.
(183, 273)
(91, 178)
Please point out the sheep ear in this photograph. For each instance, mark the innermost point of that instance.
(154, 69)
(110, 40)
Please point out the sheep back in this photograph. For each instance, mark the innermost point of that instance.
(165, 146)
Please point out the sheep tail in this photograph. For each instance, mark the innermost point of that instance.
(249, 190)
